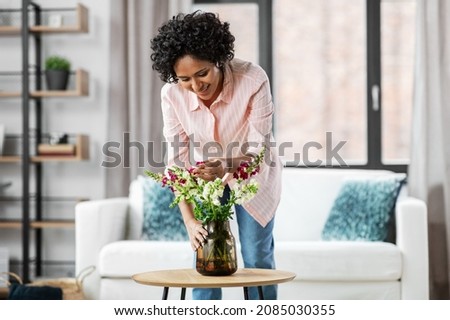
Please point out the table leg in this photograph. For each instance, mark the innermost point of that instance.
(165, 293)
(261, 294)
(183, 294)
(246, 293)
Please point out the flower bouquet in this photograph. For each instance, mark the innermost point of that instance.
(217, 256)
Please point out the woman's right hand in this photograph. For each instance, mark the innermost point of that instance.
(197, 234)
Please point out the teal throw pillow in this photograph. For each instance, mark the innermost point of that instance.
(364, 209)
(160, 221)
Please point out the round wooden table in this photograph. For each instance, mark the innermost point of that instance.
(190, 278)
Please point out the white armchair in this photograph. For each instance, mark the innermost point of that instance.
(108, 236)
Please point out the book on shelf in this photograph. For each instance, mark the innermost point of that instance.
(56, 149)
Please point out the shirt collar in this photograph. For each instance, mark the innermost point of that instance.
(225, 95)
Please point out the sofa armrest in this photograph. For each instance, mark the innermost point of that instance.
(412, 239)
(97, 223)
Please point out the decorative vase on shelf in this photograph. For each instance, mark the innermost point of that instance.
(217, 256)
(57, 70)
(57, 79)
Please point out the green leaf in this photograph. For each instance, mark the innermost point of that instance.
(57, 63)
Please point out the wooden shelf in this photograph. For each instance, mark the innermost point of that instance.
(9, 94)
(9, 30)
(17, 224)
(52, 224)
(81, 26)
(81, 153)
(13, 224)
(44, 199)
(81, 89)
(9, 159)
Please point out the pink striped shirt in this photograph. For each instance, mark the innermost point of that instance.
(241, 115)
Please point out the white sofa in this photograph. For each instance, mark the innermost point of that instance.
(108, 236)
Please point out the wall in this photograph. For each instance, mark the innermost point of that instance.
(85, 115)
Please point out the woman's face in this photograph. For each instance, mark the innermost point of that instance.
(201, 77)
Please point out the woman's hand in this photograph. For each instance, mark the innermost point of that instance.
(210, 170)
(197, 234)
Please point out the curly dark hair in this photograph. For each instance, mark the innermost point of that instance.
(199, 34)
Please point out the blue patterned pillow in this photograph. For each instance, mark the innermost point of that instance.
(364, 209)
(160, 221)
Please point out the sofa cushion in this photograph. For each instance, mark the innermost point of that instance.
(340, 260)
(161, 222)
(310, 260)
(125, 258)
(363, 209)
(307, 198)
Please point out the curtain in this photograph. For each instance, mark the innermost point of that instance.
(429, 171)
(134, 115)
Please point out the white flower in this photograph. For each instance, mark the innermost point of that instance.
(212, 192)
(245, 191)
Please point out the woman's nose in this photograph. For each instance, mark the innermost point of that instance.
(196, 85)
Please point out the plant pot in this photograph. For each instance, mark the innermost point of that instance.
(56, 79)
(217, 256)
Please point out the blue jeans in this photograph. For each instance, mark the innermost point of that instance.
(257, 248)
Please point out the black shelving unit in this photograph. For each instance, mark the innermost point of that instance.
(31, 198)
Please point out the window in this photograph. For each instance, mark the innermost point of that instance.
(251, 24)
(341, 74)
(244, 26)
(397, 65)
(320, 80)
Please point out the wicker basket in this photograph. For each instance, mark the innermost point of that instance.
(72, 288)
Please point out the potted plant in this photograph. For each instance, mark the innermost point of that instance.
(217, 256)
(57, 72)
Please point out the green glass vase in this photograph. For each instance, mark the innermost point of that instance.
(217, 256)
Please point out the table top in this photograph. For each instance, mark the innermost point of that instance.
(190, 278)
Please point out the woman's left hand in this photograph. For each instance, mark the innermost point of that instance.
(210, 170)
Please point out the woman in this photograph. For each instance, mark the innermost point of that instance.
(218, 110)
